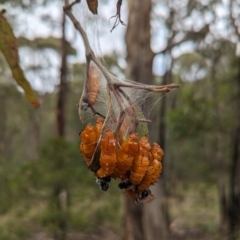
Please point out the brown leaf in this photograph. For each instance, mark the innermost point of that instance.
(93, 6)
(9, 48)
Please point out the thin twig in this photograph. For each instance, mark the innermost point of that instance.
(118, 16)
(89, 52)
(90, 55)
(69, 6)
(144, 120)
(67, 9)
(152, 88)
(112, 85)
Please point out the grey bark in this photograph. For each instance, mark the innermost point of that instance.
(143, 221)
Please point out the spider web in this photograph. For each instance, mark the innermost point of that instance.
(125, 109)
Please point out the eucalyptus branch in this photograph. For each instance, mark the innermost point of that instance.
(152, 88)
(89, 52)
(69, 6)
(113, 85)
(68, 11)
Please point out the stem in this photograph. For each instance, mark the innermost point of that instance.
(152, 88)
(84, 97)
(112, 84)
(89, 52)
(67, 9)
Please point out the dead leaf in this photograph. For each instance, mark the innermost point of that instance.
(93, 6)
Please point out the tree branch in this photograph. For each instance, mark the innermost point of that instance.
(191, 35)
(113, 85)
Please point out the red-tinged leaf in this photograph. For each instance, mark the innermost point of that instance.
(93, 6)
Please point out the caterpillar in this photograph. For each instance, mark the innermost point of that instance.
(89, 142)
(140, 162)
(154, 168)
(157, 153)
(93, 6)
(93, 85)
(125, 155)
(108, 157)
(136, 164)
(98, 127)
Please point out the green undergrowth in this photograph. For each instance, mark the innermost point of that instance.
(90, 210)
(96, 209)
(194, 207)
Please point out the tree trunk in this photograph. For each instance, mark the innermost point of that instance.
(142, 221)
(133, 220)
(58, 189)
(217, 149)
(63, 86)
(156, 218)
(234, 208)
(138, 38)
(3, 124)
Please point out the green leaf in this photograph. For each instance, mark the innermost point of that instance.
(9, 48)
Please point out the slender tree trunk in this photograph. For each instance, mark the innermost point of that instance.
(60, 189)
(156, 219)
(63, 86)
(234, 208)
(218, 154)
(3, 124)
(142, 221)
(139, 62)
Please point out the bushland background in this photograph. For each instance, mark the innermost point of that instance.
(46, 191)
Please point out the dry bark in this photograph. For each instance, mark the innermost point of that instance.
(148, 221)
(234, 208)
(58, 189)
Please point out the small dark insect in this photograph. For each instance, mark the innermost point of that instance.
(103, 183)
(145, 196)
(126, 184)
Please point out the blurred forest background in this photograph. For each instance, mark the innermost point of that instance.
(46, 191)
